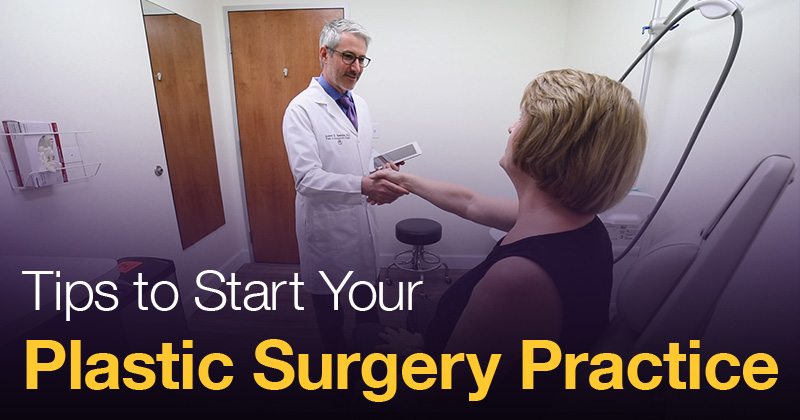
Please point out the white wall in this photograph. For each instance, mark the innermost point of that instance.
(85, 65)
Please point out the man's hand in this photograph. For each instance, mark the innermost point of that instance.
(381, 191)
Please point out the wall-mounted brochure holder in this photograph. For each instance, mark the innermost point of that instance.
(39, 158)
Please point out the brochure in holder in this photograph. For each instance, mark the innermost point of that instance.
(36, 153)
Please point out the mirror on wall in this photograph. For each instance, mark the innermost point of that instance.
(177, 61)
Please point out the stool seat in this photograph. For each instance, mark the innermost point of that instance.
(418, 231)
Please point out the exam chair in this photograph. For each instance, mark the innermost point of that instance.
(671, 290)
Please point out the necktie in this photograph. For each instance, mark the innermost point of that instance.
(350, 110)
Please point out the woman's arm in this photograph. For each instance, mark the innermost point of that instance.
(488, 211)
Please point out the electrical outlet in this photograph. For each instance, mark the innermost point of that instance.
(376, 131)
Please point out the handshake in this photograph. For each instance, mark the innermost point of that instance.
(384, 186)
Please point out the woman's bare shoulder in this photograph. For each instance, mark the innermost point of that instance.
(517, 282)
(515, 299)
(516, 273)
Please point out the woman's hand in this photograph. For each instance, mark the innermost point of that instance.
(389, 172)
(400, 341)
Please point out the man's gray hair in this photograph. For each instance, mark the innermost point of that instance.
(331, 34)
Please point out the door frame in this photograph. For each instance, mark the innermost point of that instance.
(226, 10)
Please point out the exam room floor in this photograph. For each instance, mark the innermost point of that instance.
(298, 327)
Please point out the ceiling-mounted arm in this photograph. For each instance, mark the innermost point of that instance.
(659, 23)
(718, 9)
(710, 9)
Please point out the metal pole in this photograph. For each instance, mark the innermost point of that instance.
(656, 26)
(648, 60)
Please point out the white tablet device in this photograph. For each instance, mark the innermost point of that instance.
(400, 154)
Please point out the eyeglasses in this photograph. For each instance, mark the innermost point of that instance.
(350, 58)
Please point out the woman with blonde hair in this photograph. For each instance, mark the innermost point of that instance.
(575, 152)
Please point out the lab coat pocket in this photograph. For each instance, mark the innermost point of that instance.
(334, 232)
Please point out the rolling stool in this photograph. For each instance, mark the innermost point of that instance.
(418, 232)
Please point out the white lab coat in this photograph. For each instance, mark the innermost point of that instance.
(336, 228)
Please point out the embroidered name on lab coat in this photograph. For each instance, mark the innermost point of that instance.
(337, 137)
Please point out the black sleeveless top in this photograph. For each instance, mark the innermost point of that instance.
(579, 262)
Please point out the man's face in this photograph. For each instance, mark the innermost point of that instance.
(340, 75)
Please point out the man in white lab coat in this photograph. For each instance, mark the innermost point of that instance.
(331, 159)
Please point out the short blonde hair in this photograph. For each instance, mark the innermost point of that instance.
(582, 139)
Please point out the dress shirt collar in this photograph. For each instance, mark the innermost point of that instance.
(330, 90)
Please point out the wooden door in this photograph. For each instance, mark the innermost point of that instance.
(263, 44)
(179, 72)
